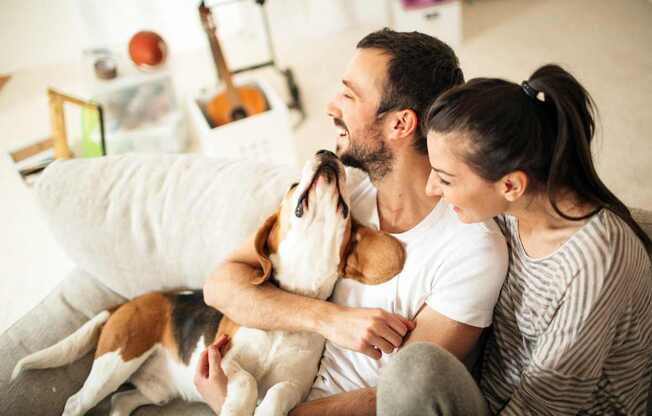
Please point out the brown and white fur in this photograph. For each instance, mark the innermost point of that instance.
(155, 340)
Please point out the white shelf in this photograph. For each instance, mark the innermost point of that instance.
(442, 20)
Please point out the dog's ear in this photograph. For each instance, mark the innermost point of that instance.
(266, 241)
(373, 257)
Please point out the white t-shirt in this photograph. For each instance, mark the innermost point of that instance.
(456, 269)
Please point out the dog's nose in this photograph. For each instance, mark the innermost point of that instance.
(324, 152)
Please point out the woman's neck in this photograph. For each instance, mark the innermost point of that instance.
(541, 229)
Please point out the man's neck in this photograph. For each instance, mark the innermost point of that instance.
(402, 201)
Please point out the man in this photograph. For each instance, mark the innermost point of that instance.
(453, 271)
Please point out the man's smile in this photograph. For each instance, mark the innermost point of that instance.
(340, 127)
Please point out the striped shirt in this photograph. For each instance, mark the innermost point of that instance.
(573, 330)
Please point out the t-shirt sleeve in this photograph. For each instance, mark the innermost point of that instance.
(468, 282)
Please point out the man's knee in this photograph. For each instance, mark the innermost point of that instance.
(428, 380)
(421, 366)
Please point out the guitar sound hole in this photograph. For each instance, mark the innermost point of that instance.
(238, 113)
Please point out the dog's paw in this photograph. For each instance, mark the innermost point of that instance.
(230, 411)
(119, 407)
(269, 409)
(224, 412)
(124, 403)
(17, 370)
(73, 407)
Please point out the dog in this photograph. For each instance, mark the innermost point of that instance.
(154, 341)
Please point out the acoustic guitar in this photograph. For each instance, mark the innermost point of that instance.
(236, 102)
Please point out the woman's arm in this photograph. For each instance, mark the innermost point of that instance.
(569, 358)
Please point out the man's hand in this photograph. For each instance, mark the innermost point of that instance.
(210, 379)
(369, 331)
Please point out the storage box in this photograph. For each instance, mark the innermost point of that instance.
(266, 136)
(141, 114)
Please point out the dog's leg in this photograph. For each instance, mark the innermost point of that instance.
(109, 371)
(279, 400)
(125, 402)
(242, 392)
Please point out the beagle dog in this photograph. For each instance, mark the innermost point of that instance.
(155, 340)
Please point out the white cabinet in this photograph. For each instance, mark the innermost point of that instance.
(442, 19)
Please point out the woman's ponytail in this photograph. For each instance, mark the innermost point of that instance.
(543, 127)
(571, 165)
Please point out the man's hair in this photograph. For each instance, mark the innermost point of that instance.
(420, 68)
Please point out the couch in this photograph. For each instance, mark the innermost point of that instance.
(133, 224)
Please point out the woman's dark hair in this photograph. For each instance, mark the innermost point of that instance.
(409, 84)
(543, 128)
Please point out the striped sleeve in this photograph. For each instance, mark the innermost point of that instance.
(568, 359)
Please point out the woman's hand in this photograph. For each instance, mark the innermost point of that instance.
(210, 379)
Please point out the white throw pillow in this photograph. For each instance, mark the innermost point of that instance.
(142, 223)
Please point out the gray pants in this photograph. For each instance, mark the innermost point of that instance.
(427, 380)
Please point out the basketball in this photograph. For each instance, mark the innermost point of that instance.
(147, 49)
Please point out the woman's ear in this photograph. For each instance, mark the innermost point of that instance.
(373, 256)
(513, 185)
(266, 233)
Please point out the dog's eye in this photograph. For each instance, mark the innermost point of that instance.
(294, 185)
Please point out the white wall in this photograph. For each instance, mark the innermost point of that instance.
(36, 32)
(40, 32)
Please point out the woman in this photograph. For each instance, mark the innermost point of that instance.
(573, 324)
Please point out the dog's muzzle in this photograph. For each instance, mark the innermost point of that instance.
(329, 169)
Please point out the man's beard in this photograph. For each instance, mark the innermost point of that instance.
(375, 158)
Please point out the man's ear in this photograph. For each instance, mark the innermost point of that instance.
(403, 124)
(265, 233)
(373, 257)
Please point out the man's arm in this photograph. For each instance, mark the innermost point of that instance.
(360, 402)
(456, 337)
(267, 307)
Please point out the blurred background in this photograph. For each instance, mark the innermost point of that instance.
(150, 65)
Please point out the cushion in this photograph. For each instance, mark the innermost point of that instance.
(142, 223)
(644, 219)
